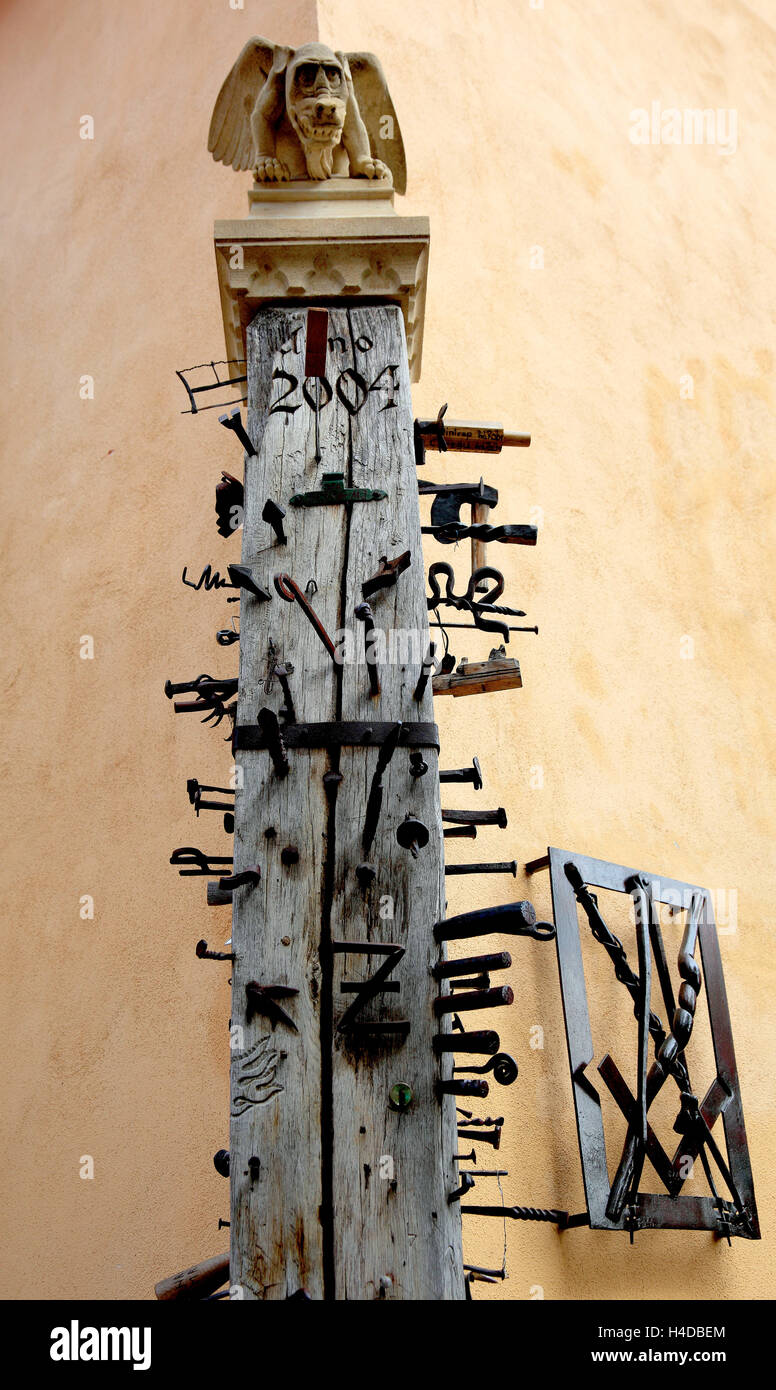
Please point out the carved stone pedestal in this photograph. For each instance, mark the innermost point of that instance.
(334, 242)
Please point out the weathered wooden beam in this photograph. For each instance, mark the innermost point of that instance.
(333, 1191)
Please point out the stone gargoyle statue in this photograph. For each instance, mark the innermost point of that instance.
(307, 113)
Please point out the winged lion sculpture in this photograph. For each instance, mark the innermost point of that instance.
(307, 113)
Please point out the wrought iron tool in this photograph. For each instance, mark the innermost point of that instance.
(463, 436)
(471, 774)
(233, 422)
(497, 817)
(426, 671)
(273, 515)
(503, 1066)
(207, 863)
(511, 919)
(290, 591)
(364, 615)
(230, 505)
(375, 799)
(242, 578)
(498, 867)
(448, 969)
(387, 575)
(217, 384)
(482, 1041)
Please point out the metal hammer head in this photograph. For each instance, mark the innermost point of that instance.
(446, 506)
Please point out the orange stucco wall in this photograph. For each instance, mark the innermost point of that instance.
(657, 526)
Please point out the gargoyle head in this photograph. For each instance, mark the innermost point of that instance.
(317, 101)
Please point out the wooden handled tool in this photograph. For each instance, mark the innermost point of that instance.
(196, 1282)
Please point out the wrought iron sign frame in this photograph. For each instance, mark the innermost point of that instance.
(671, 1210)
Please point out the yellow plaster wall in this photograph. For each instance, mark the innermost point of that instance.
(657, 527)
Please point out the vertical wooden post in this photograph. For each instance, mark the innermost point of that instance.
(348, 1199)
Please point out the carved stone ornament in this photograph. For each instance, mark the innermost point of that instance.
(307, 113)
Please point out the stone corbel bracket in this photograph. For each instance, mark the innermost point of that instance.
(322, 259)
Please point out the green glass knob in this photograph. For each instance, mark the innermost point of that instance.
(400, 1096)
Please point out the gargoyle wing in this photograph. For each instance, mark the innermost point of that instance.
(230, 140)
(375, 105)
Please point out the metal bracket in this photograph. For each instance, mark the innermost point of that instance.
(340, 734)
(333, 492)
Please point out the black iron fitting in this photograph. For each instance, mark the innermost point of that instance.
(341, 734)
(496, 960)
(498, 998)
(233, 422)
(493, 867)
(510, 919)
(273, 515)
(497, 817)
(480, 1041)
(471, 774)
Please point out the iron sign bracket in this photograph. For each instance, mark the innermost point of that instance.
(673, 1209)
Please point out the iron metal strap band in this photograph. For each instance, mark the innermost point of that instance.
(339, 734)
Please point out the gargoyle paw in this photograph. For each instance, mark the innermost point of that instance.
(369, 168)
(270, 170)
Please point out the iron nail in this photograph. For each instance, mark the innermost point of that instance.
(425, 673)
(478, 999)
(467, 1183)
(481, 1041)
(365, 616)
(203, 953)
(473, 982)
(463, 1088)
(502, 867)
(534, 865)
(471, 774)
(488, 1276)
(289, 855)
(497, 817)
(492, 1137)
(495, 960)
